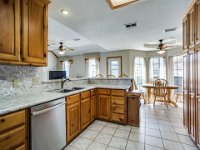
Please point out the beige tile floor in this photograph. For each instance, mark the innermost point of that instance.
(160, 129)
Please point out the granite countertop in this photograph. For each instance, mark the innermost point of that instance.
(12, 104)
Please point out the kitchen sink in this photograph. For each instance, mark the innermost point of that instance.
(66, 90)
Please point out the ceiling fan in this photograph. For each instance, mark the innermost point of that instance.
(62, 49)
(162, 45)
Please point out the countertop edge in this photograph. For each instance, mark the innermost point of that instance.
(51, 97)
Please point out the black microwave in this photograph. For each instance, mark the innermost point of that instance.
(57, 75)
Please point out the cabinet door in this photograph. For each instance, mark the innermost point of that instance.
(185, 33)
(93, 108)
(192, 104)
(104, 107)
(35, 31)
(198, 96)
(85, 113)
(191, 16)
(10, 30)
(73, 121)
(185, 92)
(197, 34)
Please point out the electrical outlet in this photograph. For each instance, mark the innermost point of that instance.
(16, 83)
(35, 81)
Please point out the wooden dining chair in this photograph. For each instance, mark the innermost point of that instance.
(99, 76)
(160, 90)
(134, 87)
(110, 76)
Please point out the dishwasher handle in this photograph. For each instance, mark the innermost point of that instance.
(47, 109)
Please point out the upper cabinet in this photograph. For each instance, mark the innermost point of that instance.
(191, 17)
(197, 28)
(185, 32)
(35, 29)
(191, 26)
(24, 32)
(10, 30)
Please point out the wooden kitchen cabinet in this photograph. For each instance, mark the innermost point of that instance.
(198, 95)
(118, 108)
(24, 32)
(104, 107)
(85, 113)
(93, 108)
(35, 29)
(185, 93)
(10, 30)
(73, 116)
(14, 131)
(191, 16)
(185, 33)
(197, 23)
(192, 100)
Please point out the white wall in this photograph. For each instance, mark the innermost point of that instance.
(78, 66)
(52, 66)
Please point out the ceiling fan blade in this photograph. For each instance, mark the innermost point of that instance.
(169, 41)
(150, 45)
(70, 49)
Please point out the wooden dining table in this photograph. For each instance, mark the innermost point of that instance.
(169, 88)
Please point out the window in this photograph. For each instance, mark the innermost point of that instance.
(178, 72)
(140, 72)
(92, 65)
(67, 68)
(114, 66)
(157, 68)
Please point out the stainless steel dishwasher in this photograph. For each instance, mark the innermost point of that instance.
(48, 126)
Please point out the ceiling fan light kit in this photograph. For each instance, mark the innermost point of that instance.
(160, 52)
(61, 52)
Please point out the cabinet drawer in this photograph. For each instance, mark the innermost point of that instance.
(118, 100)
(117, 117)
(93, 92)
(104, 91)
(12, 120)
(85, 95)
(13, 139)
(118, 92)
(73, 99)
(118, 109)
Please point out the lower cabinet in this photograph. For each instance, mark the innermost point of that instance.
(104, 107)
(73, 116)
(85, 113)
(14, 131)
(85, 107)
(93, 108)
(192, 116)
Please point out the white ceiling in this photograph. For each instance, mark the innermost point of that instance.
(101, 28)
(61, 33)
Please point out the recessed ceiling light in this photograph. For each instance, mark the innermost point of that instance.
(64, 11)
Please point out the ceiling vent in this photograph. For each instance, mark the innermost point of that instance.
(130, 25)
(76, 39)
(170, 29)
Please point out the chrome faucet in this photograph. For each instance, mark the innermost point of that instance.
(62, 82)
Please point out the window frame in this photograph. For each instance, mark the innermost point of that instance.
(176, 68)
(108, 59)
(92, 59)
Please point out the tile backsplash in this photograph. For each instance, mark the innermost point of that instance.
(18, 80)
(21, 80)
